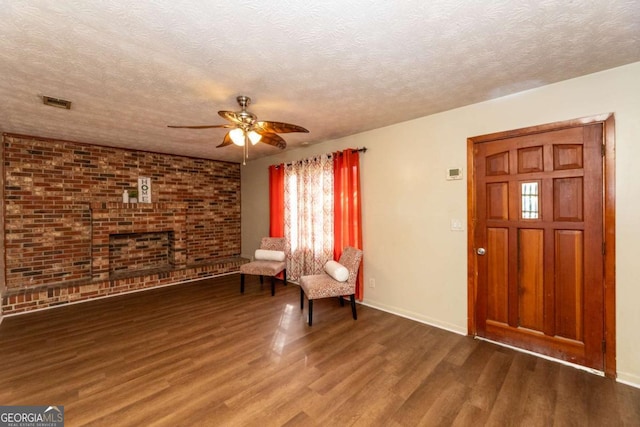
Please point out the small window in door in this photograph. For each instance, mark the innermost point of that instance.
(529, 200)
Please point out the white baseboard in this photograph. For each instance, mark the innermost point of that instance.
(628, 379)
(417, 317)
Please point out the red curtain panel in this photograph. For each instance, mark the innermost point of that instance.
(276, 201)
(347, 207)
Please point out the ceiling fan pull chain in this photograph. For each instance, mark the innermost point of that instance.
(246, 149)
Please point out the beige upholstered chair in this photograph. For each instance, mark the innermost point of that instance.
(266, 268)
(324, 286)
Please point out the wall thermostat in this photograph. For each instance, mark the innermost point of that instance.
(454, 173)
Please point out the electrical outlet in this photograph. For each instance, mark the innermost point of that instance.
(372, 283)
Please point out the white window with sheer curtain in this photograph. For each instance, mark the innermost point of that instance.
(308, 215)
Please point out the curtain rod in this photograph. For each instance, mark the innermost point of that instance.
(359, 150)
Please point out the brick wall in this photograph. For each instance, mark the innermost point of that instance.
(51, 189)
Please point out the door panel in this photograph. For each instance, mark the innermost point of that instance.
(498, 274)
(530, 280)
(498, 200)
(539, 215)
(567, 199)
(530, 160)
(569, 283)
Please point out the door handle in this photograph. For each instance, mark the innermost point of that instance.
(481, 251)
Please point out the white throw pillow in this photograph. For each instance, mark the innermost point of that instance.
(336, 270)
(267, 255)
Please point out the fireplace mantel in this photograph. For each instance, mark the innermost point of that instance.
(166, 206)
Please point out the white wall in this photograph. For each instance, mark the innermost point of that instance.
(418, 263)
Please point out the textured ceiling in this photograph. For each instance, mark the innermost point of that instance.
(335, 67)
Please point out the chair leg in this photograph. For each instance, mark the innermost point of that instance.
(310, 312)
(353, 307)
(301, 298)
(242, 283)
(273, 285)
(261, 280)
(285, 276)
(341, 301)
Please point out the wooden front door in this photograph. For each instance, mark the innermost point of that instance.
(538, 241)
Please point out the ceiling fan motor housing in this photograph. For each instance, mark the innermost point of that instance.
(244, 115)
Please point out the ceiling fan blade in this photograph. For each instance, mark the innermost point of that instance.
(202, 126)
(226, 141)
(277, 127)
(273, 139)
(232, 116)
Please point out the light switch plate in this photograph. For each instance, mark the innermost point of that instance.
(456, 225)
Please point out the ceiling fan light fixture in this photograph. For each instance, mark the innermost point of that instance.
(254, 137)
(243, 125)
(237, 136)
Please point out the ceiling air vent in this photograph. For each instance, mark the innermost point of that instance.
(56, 102)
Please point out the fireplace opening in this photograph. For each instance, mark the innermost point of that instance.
(135, 253)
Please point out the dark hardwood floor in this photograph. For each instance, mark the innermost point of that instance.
(202, 354)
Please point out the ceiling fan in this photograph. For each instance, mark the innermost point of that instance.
(246, 128)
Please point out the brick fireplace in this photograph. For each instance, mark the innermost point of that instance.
(138, 253)
(130, 239)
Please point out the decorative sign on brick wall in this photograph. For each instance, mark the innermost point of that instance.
(144, 189)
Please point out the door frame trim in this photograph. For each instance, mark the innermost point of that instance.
(609, 223)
